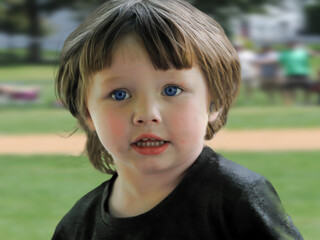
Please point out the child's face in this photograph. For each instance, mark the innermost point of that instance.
(132, 98)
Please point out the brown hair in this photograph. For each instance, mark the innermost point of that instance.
(175, 34)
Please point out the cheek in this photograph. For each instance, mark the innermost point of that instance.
(116, 125)
(188, 123)
(111, 129)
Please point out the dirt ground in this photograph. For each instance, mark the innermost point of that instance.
(249, 140)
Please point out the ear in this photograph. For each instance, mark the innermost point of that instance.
(213, 115)
(89, 121)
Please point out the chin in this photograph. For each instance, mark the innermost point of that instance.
(153, 167)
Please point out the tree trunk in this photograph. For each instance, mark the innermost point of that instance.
(34, 54)
(10, 54)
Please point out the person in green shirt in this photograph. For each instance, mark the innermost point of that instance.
(296, 64)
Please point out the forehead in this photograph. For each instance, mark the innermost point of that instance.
(127, 49)
(131, 61)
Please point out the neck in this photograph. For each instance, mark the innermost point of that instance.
(135, 192)
(140, 185)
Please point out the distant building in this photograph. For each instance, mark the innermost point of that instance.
(279, 24)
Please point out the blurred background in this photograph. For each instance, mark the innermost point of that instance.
(278, 43)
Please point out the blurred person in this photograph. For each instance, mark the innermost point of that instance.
(247, 59)
(149, 81)
(268, 71)
(315, 87)
(21, 94)
(296, 63)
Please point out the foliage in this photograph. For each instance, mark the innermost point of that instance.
(11, 20)
(313, 18)
(222, 10)
(24, 17)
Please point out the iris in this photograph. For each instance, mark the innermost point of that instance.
(171, 91)
(120, 95)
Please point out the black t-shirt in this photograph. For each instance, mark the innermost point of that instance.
(216, 199)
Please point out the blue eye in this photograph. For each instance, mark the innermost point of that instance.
(172, 91)
(119, 95)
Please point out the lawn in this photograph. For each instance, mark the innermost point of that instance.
(41, 72)
(36, 191)
(28, 121)
(42, 76)
(296, 177)
(27, 73)
(241, 118)
(52, 120)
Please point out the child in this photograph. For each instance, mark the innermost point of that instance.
(149, 81)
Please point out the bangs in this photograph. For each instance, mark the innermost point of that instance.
(165, 41)
(175, 36)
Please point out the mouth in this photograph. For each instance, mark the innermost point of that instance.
(150, 144)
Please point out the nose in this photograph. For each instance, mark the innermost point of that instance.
(146, 112)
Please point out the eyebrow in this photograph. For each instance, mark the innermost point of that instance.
(171, 75)
(112, 79)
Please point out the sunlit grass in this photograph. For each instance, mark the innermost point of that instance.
(27, 74)
(53, 120)
(36, 191)
(296, 177)
(274, 117)
(24, 121)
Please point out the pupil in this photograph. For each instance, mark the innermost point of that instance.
(171, 91)
(120, 95)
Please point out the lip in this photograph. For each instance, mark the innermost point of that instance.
(155, 150)
(148, 135)
(150, 150)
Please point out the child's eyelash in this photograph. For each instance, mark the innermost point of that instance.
(168, 90)
(119, 94)
(172, 90)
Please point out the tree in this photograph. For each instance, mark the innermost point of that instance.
(211, 6)
(24, 17)
(11, 23)
(313, 18)
(222, 10)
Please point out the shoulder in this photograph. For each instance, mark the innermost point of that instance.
(229, 173)
(248, 203)
(86, 208)
(234, 183)
(91, 200)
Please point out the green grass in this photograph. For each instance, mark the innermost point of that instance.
(27, 73)
(42, 76)
(296, 177)
(42, 72)
(36, 191)
(20, 55)
(41, 117)
(274, 117)
(315, 66)
(28, 121)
